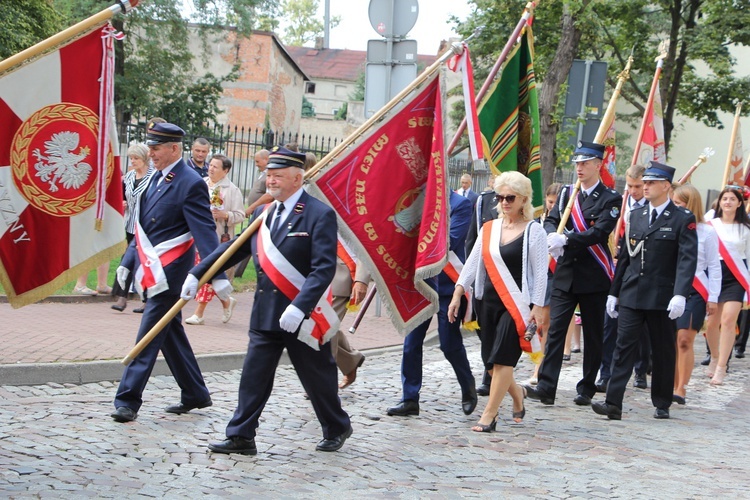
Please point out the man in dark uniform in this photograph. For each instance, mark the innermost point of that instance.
(655, 270)
(451, 342)
(175, 211)
(198, 155)
(485, 210)
(295, 247)
(583, 274)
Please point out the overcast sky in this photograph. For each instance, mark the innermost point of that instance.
(431, 26)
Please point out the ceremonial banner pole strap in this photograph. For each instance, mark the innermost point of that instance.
(600, 134)
(164, 321)
(365, 305)
(64, 36)
(732, 140)
(512, 40)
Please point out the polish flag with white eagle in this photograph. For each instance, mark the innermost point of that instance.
(60, 180)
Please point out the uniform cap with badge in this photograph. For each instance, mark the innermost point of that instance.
(162, 133)
(658, 172)
(587, 151)
(283, 158)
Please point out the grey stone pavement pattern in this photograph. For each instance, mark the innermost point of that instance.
(57, 440)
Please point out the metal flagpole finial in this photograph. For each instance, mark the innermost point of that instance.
(706, 154)
(663, 48)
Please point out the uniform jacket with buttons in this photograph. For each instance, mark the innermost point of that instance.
(484, 210)
(308, 241)
(577, 271)
(180, 204)
(664, 266)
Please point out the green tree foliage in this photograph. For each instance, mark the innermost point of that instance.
(25, 23)
(302, 24)
(308, 110)
(157, 75)
(697, 77)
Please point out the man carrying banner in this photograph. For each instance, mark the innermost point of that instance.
(174, 214)
(583, 273)
(655, 270)
(294, 252)
(451, 342)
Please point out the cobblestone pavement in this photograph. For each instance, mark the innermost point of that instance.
(58, 441)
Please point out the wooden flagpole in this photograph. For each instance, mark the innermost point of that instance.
(732, 140)
(65, 36)
(600, 134)
(512, 40)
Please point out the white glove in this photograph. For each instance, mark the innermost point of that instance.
(557, 252)
(222, 288)
(291, 318)
(611, 304)
(555, 241)
(122, 274)
(676, 306)
(189, 287)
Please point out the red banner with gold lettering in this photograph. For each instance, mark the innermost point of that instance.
(389, 192)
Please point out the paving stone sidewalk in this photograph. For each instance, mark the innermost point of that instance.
(59, 442)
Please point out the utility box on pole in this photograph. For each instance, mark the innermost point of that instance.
(584, 100)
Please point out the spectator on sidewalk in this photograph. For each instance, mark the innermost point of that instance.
(198, 154)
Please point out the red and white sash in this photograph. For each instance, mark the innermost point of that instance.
(323, 322)
(505, 285)
(346, 255)
(734, 263)
(597, 251)
(700, 283)
(150, 274)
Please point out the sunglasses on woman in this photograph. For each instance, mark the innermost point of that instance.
(509, 198)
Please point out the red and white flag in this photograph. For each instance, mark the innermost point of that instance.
(389, 191)
(652, 144)
(60, 180)
(608, 169)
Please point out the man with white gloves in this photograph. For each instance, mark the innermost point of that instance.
(175, 220)
(655, 270)
(294, 252)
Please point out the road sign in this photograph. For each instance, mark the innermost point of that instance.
(393, 18)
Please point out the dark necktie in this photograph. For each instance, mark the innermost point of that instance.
(654, 215)
(584, 194)
(277, 220)
(153, 185)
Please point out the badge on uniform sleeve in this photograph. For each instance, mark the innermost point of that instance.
(298, 208)
(615, 212)
(691, 226)
(169, 177)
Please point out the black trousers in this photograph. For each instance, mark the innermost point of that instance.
(562, 307)
(315, 369)
(663, 335)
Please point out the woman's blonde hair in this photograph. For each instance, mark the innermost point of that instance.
(691, 197)
(519, 184)
(139, 150)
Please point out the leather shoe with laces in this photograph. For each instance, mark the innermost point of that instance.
(582, 400)
(184, 408)
(404, 408)
(235, 444)
(640, 381)
(469, 402)
(661, 413)
(534, 393)
(334, 444)
(124, 414)
(610, 411)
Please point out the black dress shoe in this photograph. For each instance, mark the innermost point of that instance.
(707, 360)
(483, 390)
(469, 402)
(124, 414)
(534, 393)
(661, 413)
(582, 400)
(610, 411)
(602, 384)
(334, 444)
(184, 408)
(739, 354)
(640, 381)
(139, 309)
(235, 444)
(404, 408)
(566, 357)
(676, 398)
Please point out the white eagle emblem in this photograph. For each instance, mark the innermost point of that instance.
(61, 164)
